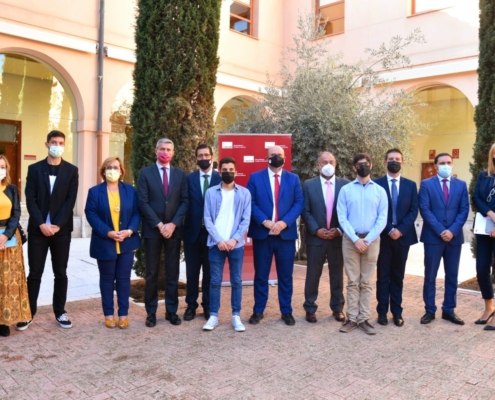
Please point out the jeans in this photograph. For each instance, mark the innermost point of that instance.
(116, 271)
(217, 262)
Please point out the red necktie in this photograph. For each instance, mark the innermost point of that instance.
(277, 191)
(165, 181)
(445, 191)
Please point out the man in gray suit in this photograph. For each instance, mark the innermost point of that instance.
(323, 237)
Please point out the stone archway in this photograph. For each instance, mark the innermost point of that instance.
(227, 113)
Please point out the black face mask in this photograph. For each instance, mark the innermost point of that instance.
(276, 161)
(228, 177)
(363, 170)
(393, 166)
(203, 164)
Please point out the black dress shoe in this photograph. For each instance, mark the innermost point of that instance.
(255, 318)
(189, 314)
(484, 321)
(4, 330)
(311, 317)
(151, 320)
(173, 318)
(382, 319)
(489, 328)
(206, 312)
(398, 321)
(427, 318)
(452, 318)
(288, 319)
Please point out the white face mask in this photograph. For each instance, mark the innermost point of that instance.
(3, 174)
(56, 151)
(328, 170)
(112, 175)
(445, 170)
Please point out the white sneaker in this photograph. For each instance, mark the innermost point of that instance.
(211, 323)
(238, 325)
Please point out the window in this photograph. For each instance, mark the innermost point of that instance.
(241, 16)
(420, 6)
(332, 12)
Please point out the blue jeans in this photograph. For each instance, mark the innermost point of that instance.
(116, 272)
(217, 262)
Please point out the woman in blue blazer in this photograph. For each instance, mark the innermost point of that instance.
(112, 211)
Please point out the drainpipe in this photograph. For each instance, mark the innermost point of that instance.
(101, 55)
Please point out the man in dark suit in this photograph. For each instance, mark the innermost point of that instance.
(163, 202)
(444, 206)
(51, 191)
(195, 234)
(397, 237)
(323, 237)
(277, 202)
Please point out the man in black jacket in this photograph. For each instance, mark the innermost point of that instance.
(163, 202)
(51, 191)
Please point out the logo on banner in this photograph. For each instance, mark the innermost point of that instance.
(227, 145)
(249, 159)
(269, 144)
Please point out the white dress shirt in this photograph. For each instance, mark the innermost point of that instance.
(271, 176)
(202, 180)
(160, 170)
(324, 187)
(397, 184)
(441, 182)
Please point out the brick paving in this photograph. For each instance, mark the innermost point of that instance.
(268, 361)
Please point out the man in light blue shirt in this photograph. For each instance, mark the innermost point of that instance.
(362, 209)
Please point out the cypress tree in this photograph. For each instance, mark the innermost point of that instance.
(174, 80)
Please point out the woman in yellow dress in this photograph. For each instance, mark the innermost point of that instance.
(14, 302)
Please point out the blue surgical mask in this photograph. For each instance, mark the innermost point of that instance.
(56, 151)
(445, 170)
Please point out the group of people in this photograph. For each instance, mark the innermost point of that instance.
(356, 227)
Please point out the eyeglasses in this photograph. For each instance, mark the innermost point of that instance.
(490, 195)
(116, 168)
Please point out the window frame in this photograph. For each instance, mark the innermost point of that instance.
(318, 8)
(249, 21)
(413, 12)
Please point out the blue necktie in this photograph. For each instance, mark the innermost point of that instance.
(395, 197)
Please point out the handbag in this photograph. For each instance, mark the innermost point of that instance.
(12, 242)
(22, 233)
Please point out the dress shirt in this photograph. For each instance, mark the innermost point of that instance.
(271, 176)
(362, 209)
(324, 187)
(202, 180)
(397, 184)
(441, 182)
(160, 170)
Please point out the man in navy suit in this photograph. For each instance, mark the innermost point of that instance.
(277, 202)
(195, 234)
(444, 206)
(397, 237)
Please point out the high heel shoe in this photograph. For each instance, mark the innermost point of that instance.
(110, 323)
(123, 323)
(484, 321)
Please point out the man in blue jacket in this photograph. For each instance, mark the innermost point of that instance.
(277, 202)
(444, 206)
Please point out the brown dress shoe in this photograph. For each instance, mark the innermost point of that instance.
(339, 316)
(311, 317)
(367, 328)
(348, 326)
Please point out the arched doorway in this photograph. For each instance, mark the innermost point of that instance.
(34, 100)
(227, 114)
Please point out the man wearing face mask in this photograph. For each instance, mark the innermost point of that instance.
(323, 237)
(195, 234)
(51, 191)
(163, 202)
(399, 234)
(362, 209)
(277, 202)
(444, 206)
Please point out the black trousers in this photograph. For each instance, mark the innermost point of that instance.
(390, 270)
(196, 255)
(153, 248)
(485, 249)
(316, 258)
(38, 246)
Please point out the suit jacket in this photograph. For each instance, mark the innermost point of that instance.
(439, 216)
(194, 216)
(59, 204)
(15, 214)
(155, 207)
(99, 217)
(315, 210)
(407, 210)
(290, 203)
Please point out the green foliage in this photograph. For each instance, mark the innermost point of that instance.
(327, 104)
(174, 80)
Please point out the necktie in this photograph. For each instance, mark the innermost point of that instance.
(445, 191)
(277, 191)
(165, 181)
(206, 185)
(395, 197)
(329, 203)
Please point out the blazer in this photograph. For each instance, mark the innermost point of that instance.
(155, 207)
(11, 226)
(484, 184)
(60, 203)
(438, 216)
(407, 210)
(315, 210)
(290, 204)
(99, 217)
(194, 217)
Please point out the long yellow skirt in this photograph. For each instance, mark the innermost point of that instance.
(14, 301)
